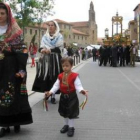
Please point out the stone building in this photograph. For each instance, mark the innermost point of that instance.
(137, 22)
(133, 30)
(82, 33)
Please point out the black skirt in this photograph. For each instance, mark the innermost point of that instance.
(18, 119)
(69, 105)
(48, 69)
(14, 104)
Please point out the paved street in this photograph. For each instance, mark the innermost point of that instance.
(111, 113)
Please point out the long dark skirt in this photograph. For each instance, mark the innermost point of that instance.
(69, 106)
(14, 105)
(51, 67)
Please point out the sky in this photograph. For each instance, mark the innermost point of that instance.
(78, 10)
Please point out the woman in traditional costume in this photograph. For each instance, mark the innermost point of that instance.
(49, 65)
(14, 106)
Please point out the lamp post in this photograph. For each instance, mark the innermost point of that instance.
(106, 32)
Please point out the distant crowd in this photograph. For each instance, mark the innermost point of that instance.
(118, 55)
(83, 53)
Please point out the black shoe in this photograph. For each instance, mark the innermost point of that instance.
(17, 128)
(64, 129)
(53, 101)
(2, 132)
(70, 132)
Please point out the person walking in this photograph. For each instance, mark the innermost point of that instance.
(14, 106)
(101, 55)
(70, 51)
(114, 52)
(94, 51)
(68, 82)
(127, 55)
(65, 52)
(122, 55)
(33, 51)
(86, 54)
(49, 65)
(133, 52)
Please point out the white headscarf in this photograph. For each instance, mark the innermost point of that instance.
(56, 31)
(52, 41)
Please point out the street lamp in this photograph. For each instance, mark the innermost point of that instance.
(106, 32)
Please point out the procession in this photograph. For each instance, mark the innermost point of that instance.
(61, 80)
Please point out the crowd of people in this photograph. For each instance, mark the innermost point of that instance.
(54, 75)
(54, 72)
(81, 52)
(118, 55)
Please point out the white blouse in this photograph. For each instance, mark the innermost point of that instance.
(3, 29)
(77, 84)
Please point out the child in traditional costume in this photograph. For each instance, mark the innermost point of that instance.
(68, 83)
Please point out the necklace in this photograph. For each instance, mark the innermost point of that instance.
(64, 79)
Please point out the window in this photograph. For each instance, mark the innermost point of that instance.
(25, 30)
(42, 33)
(30, 31)
(36, 32)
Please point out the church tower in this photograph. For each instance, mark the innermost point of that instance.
(92, 25)
(91, 12)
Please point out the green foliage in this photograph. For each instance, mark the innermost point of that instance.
(28, 12)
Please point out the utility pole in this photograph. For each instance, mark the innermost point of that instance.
(22, 19)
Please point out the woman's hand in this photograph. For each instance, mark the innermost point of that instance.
(47, 51)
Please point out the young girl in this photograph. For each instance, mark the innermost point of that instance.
(68, 82)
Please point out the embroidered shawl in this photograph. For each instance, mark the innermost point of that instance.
(13, 30)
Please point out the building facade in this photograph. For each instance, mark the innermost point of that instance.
(82, 33)
(137, 22)
(133, 30)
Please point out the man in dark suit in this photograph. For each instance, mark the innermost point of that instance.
(122, 55)
(114, 52)
(94, 51)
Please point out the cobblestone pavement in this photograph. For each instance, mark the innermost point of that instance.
(111, 113)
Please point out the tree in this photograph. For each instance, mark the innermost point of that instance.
(30, 12)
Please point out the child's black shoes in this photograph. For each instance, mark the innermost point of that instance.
(64, 129)
(70, 132)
